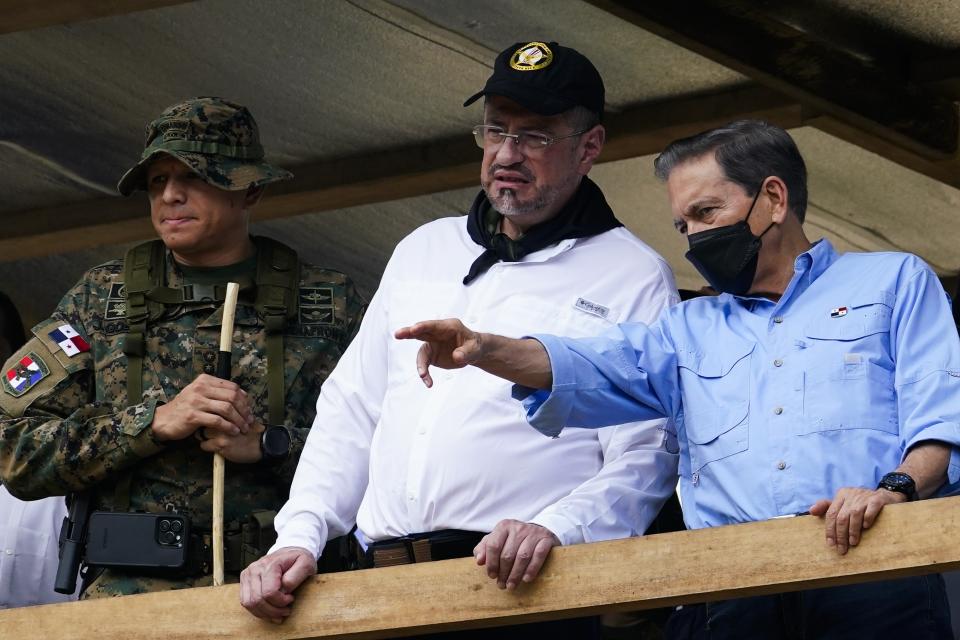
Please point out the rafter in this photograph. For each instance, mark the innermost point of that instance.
(387, 175)
(24, 15)
(861, 92)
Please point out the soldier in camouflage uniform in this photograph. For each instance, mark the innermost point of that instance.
(66, 421)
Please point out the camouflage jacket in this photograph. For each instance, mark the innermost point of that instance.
(69, 426)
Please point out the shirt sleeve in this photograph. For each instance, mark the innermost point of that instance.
(55, 437)
(629, 373)
(332, 473)
(638, 475)
(927, 376)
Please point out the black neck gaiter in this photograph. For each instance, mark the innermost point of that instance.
(586, 214)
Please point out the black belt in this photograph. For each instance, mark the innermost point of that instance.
(421, 547)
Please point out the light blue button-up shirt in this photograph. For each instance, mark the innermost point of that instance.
(777, 404)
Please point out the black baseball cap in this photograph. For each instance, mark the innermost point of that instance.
(545, 78)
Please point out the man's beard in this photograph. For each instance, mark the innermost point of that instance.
(508, 204)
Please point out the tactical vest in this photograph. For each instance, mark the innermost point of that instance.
(276, 283)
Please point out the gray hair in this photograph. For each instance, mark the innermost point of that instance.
(748, 151)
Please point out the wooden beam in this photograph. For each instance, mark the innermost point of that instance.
(383, 176)
(820, 75)
(638, 573)
(24, 15)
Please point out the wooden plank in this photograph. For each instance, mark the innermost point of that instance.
(436, 166)
(24, 15)
(820, 74)
(638, 573)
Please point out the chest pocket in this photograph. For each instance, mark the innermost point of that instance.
(715, 387)
(849, 373)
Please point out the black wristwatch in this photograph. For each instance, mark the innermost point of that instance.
(274, 444)
(900, 483)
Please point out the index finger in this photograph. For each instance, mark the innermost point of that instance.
(540, 554)
(205, 379)
(415, 330)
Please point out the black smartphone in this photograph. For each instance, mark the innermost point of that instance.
(122, 539)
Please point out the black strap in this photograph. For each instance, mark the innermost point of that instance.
(142, 272)
(277, 280)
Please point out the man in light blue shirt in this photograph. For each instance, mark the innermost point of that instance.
(816, 381)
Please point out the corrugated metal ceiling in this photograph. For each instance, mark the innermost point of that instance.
(333, 79)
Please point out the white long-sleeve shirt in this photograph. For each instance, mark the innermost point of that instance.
(400, 458)
(28, 550)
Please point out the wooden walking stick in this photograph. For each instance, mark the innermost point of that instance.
(223, 372)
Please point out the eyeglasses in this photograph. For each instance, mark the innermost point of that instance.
(490, 136)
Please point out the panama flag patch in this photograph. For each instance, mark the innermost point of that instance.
(69, 340)
(24, 374)
(839, 312)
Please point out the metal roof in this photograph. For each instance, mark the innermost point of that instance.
(357, 96)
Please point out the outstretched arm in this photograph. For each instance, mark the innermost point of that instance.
(448, 344)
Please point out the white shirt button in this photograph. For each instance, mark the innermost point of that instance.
(778, 362)
(781, 465)
(778, 410)
(778, 319)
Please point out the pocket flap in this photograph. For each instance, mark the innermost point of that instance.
(863, 317)
(717, 362)
(703, 428)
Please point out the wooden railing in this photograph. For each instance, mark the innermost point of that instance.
(638, 573)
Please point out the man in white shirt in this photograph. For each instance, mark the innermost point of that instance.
(426, 474)
(28, 550)
(28, 530)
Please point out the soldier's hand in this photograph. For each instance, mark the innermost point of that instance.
(243, 447)
(447, 344)
(515, 551)
(266, 586)
(206, 403)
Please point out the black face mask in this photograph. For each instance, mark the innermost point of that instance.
(727, 256)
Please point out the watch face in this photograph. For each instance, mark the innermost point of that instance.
(276, 442)
(901, 483)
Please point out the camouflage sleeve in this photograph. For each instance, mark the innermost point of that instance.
(329, 344)
(356, 307)
(55, 436)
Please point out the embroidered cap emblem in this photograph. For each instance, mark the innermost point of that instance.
(839, 312)
(531, 57)
(23, 375)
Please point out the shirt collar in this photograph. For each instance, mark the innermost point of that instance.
(815, 260)
(807, 267)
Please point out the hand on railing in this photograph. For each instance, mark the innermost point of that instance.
(267, 585)
(515, 551)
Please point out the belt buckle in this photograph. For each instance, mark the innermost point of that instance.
(403, 551)
(421, 550)
(392, 555)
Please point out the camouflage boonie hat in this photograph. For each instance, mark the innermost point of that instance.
(217, 139)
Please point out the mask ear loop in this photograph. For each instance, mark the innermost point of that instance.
(750, 212)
